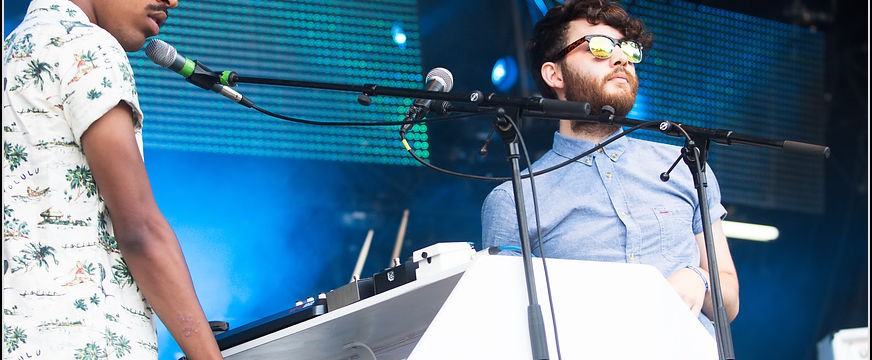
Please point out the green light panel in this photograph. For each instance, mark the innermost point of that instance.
(340, 42)
(719, 69)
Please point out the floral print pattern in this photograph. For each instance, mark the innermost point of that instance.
(67, 292)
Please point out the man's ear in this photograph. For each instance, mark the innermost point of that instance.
(552, 75)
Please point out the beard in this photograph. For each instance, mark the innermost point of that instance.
(587, 88)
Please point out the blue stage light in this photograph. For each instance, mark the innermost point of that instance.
(399, 35)
(505, 73)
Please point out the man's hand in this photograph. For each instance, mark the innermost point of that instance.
(690, 287)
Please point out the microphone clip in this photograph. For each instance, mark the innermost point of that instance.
(204, 77)
(505, 126)
(415, 112)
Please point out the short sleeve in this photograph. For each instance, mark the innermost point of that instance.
(499, 222)
(717, 211)
(95, 77)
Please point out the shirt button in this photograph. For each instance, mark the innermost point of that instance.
(614, 156)
(608, 175)
(632, 257)
(587, 161)
(600, 150)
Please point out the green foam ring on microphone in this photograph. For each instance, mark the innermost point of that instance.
(225, 76)
(188, 68)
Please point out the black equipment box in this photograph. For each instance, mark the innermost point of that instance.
(395, 276)
(270, 324)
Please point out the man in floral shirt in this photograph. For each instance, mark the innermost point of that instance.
(79, 283)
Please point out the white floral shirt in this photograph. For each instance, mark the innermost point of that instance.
(67, 292)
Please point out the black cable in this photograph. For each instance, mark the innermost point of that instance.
(446, 118)
(389, 123)
(359, 123)
(434, 167)
(537, 173)
(439, 119)
(592, 150)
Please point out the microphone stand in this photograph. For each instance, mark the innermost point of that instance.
(694, 156)
(535, 322)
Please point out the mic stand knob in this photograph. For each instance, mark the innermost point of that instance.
(364, 99)
(664, 176)
(483, 151)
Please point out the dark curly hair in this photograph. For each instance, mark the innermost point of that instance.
(549, 34)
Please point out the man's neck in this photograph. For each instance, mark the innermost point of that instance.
(87, 7)
(592, 132)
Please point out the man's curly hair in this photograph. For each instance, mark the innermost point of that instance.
(549, 34)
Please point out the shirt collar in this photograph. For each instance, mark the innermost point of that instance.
(70, 10)
(570, 147)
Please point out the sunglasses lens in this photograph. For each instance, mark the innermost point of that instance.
(601, 47)
(632, 50)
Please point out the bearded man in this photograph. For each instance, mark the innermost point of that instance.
(611, 205)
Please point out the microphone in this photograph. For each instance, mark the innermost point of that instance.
(196, 73)
(438, 79)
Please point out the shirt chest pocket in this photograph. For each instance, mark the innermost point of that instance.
(677, 240)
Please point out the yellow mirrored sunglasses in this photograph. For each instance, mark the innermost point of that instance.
(602, 47)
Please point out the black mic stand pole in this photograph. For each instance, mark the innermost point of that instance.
(535, 322)
(695, 157)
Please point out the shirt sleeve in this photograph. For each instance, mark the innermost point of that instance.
(499, 222)
(96, 76)
(713, 196)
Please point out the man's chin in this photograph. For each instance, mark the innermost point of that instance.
(619, 107)
(614, 89)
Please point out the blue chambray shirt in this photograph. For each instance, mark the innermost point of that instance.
(608, 206)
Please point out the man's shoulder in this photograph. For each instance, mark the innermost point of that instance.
(652, 147)
(55, 29)
(549, 159)
(503, 187)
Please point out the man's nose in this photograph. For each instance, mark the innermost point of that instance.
(619, 56)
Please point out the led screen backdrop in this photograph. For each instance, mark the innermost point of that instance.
(719, 69)
(708, 67)
(341, 42)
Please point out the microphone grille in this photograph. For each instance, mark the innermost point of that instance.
(160, 52)
(442, 75)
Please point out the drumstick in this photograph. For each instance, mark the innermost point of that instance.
(401, 233)
(362, 257)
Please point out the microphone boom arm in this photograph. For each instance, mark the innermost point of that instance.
(547, 108)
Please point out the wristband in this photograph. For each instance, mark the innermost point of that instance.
(701, 276)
